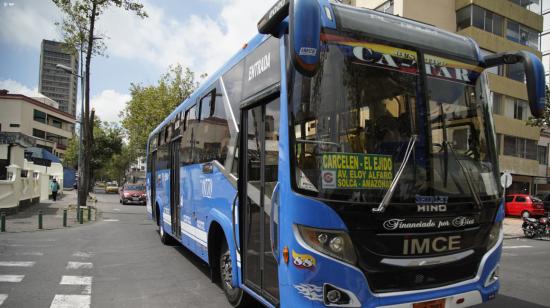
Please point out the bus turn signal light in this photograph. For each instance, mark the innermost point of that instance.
(285, 254)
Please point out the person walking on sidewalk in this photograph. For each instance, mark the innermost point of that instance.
(54, 186)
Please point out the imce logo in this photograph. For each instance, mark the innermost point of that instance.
(416, 246)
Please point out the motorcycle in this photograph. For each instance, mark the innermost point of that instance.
(539, 228)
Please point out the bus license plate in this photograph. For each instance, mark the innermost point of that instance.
(438, 303)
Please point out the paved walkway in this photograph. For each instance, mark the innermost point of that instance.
(512, 227)
(52, 215)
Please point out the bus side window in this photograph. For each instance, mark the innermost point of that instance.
(188, 136)
(213, 133)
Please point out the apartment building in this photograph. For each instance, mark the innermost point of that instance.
(54, 82)
(497, 26)
(39, 118)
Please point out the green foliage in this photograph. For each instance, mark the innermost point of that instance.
(119, 163)
(108, 139)
(71, 154)
(543, 122)
(152, 104)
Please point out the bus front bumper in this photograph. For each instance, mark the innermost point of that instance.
(309, 288)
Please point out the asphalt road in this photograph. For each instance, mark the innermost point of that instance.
(112, 263)
(115, 263)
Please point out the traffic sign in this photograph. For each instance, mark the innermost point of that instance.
(506, 179)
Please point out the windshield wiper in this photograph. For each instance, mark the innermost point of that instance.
(387, 197)
(466, 174)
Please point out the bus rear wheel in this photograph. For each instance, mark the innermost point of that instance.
(235, 295)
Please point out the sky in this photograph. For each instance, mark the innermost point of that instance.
(199, 34)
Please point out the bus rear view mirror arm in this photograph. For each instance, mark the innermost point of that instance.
(534, 74)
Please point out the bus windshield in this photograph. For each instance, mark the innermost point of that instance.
(354, 120)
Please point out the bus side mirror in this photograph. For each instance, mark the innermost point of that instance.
(304, 28)
(305, 35)
(534, 74)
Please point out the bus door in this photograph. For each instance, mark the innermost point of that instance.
(153, 185)
(260, 152)
(174, 152)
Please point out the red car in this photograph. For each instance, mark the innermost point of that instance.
(524, 205)
(133, 194)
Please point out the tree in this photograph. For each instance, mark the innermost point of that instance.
(70, 159)
(78, 27)
(543, 122)
(152, 104)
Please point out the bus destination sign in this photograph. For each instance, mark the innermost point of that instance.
(356, 171)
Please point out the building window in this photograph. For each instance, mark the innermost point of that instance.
(542, 155)
(386, 7)
(39, 116)
(515, 72)
(14, 125)
(499, 141)
(520, 110)
(545, 38)
(481, 18)
(524, 35)
(38, 133)
(520, 147)
(498, 106)
(531, 5)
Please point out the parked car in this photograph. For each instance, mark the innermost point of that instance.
(133, 194)
(523, 205)
(545, 197)
(111, 187)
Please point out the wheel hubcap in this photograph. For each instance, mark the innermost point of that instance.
(225, 269)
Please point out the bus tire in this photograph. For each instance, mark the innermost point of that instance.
(165, 238)
(236, 296)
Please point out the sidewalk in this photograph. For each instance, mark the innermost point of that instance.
(52, 215)
(512, 227)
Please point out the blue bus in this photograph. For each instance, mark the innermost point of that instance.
(345, 158)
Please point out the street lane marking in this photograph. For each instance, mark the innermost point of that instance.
(516, 247)
(81, 254)
(3, 298)
(29, 253)
(11, 278)
(118, 210)
(79, 265)
(17, 263)
(85, 281)
(111, 220)
(71, 301)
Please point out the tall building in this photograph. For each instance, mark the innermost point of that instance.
(54, 82)
(497, 26)
(545, 38)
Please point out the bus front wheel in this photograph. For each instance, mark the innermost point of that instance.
(236, 296)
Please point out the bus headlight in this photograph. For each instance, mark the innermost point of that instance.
(496, 229)
(334, 243)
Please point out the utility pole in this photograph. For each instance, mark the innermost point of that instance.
(80, 188)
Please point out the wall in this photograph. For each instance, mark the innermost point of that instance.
(441, 13)
(11, 113)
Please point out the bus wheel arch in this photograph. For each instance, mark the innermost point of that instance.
(157, 213)
(216, 236)
(218, 248)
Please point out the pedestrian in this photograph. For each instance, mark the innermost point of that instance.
(54, 186)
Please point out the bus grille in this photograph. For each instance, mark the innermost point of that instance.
(421, 278)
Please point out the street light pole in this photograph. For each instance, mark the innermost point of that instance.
(80, 139)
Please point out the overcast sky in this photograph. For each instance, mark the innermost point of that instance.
(199, 34)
